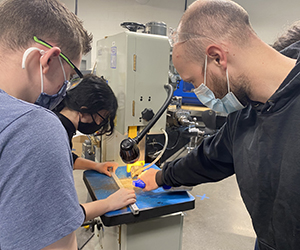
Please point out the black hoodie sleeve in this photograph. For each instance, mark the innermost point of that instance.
(211, 161)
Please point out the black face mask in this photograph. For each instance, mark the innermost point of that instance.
(88, 128)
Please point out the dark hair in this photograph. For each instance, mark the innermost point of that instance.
(94, 94)
(49, 20)
(290, 36)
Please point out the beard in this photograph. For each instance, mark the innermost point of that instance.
(239, 86)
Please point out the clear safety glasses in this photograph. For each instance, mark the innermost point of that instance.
(180, 37)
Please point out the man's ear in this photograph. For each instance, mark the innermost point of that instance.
(218, 55)
(48, 57)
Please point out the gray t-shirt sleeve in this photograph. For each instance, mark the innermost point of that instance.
(38, 203)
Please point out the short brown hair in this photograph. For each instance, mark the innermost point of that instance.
(49, 20)
(219, 20)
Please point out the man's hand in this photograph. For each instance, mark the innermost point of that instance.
(148, 177)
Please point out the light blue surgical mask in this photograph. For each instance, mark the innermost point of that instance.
(228, 104)
(45, 100)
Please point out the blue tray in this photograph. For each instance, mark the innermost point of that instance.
(151, 204)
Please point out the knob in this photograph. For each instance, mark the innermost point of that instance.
(147, 114)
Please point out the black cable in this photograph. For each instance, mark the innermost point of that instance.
(170, 148)
(170, 88)
(76, 4)
(86, 241)
(129, 150)
(176, 142)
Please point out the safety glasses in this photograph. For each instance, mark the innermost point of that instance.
(78, 72)
(103, 125)
(104, 120)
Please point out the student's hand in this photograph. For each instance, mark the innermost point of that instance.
(103, 167)
(117, 200)
(121, 198)
(148, 177)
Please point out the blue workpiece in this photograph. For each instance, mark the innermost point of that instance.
(139, 183)
(151, 204)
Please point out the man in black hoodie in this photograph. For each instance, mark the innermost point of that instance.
(235, 72)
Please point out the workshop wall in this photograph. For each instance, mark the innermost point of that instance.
(269, 18)
(102, 17)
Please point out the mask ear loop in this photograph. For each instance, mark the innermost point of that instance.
(227, 80)
(62, 67)
(79, 119)
(42, 78)
(27, 52)
(25, 55)
(205, 68)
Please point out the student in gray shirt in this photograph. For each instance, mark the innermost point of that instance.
(41, 43)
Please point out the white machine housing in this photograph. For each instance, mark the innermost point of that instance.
(135, 66)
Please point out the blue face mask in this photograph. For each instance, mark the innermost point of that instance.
(45, 100)
(228, 104)
(51, 101)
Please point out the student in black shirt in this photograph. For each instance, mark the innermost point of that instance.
(89, 107)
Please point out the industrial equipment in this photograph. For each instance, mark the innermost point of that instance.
(138, 67)
(185, 90)
(129, 151)
(135, 66)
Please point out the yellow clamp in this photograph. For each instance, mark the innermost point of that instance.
(138, 163)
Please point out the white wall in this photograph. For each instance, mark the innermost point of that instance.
(270, 17)
(103, 17)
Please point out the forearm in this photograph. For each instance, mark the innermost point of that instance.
(84, 164)
(95, 209)
(101, 167)
(209, 162)
(117, 200)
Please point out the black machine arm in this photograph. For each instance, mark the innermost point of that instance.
(129, 150)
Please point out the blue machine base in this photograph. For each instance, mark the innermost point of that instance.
(151, 204)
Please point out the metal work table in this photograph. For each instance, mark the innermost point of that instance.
(157, 226)
(151, 204)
